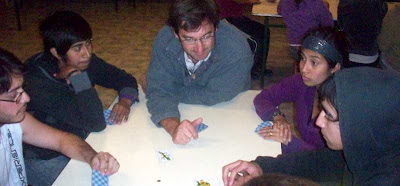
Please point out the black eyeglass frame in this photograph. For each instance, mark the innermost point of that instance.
(17, 99)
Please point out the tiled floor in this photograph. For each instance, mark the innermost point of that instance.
(122, 38)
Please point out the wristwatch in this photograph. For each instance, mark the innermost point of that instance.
(277, 113)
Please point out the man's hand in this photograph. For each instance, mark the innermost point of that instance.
(121, 111)
(65, 72)
(105, 163)
(182, 132)
(280, 132)
(246, 169)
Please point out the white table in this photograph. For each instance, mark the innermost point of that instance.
(230, 136)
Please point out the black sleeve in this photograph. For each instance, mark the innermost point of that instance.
(110, 76)
(323, 165)
(81, 109)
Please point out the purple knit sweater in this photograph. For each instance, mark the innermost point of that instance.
(301, 18)
(292, 89)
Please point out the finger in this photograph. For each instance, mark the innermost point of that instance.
(194, 124)
(113, 114)
(126, 115)
(266, 133)
(265, 129)
(273, 135)
(186, 130)
(118, 115)
(103, 163)
(285, 135)
(183, 140)
(112, 162)
(183, 136)
(289, 134)
(115, 167)
(235, 171)
(226, 170)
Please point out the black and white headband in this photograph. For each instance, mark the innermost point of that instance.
(322, 47)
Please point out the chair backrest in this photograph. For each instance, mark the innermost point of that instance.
(252, 42)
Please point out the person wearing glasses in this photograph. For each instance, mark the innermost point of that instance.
(17, 126)
(196, 59)
(360, 121)
(60, 81)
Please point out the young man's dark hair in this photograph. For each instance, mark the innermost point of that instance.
(327, 91)
(189, 14)
(9, 65)
(62, 29)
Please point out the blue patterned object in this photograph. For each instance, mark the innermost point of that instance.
(264, 124)
(98, 179)
(107, 115)
(201, 127)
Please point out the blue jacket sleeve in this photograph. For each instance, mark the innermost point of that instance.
(162, 90)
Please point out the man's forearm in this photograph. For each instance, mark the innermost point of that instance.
(76, 148)
(170, 124)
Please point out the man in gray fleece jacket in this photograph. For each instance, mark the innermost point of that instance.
(196, 59)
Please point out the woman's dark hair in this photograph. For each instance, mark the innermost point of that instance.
(327, 91)
(62, 29)
(335, 38)
(189, 14)
(10, 66)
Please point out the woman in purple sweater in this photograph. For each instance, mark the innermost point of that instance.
(300, 16)
(323, 52)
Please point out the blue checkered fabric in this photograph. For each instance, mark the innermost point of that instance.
(263, 124)
(98, 179)
(107, 115)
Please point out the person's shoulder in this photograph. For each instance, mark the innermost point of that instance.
(35, 60)
(164, 36)
(294, 80)
(13, 127)
(38, 62)
(96, 59)
(230, 38)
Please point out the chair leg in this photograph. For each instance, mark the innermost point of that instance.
(295, 67)
(18, 16)
(265, 51)
(116, 5)
(134, 2)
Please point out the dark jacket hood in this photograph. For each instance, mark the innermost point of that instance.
(368, 102)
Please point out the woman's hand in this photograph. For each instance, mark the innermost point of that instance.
(280, 131)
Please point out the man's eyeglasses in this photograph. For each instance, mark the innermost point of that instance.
(89, 42)
(17, 98)
(191, 41)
